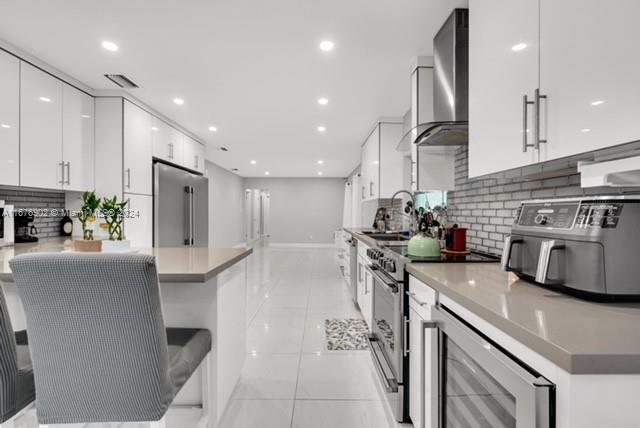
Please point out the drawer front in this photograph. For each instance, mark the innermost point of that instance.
(422, 292)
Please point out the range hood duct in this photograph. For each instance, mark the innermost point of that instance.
(450, 96)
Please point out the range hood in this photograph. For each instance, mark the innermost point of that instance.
(447, 105)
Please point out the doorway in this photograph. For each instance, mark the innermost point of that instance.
(257, 207)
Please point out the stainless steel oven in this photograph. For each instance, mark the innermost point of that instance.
(480, 385)
(388, 339)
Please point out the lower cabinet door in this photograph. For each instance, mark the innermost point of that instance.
(423, 372)
(416, 371)
(138, 225)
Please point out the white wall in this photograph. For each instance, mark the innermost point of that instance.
(226, 207)
(303, 210)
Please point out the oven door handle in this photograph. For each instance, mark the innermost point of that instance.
(393, 288)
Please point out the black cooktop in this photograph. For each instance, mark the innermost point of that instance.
(474, 257)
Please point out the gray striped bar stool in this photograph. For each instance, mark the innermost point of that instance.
(100, 349)
(17, 389)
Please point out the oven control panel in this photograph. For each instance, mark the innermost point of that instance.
(576, 214)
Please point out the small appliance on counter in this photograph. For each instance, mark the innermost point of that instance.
(25, 231)
(586, 247)
(6, 225)
(455, 239)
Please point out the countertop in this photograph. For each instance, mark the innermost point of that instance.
(579, 336)
(181, 264)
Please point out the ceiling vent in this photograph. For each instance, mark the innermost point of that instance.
(121, 80)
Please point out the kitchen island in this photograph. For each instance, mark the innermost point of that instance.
(200, 287)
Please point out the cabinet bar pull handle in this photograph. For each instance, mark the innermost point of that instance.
(525, 121)
(128, 171)
(196, 163)
(68, 181)
(405, 336)
(61, 165)
(371, 188)
(536, 101)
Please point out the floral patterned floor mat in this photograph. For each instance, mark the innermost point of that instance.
(349, 334)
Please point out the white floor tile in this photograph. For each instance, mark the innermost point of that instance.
(336, 376)
(268, 377)
(280, 316)
(338, 414)
(274, 339)
(257, 413)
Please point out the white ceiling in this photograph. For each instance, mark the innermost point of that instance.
(252, 68)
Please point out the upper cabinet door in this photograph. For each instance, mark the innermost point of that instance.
(168, 142)
(78, 118)
(589, 72)
(9, 119)
(370, 165)
(194, 154)
(40, 129)
(503, 68)
(138, 150)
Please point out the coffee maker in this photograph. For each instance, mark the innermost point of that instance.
(25, 231)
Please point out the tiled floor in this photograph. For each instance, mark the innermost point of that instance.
(290, 379)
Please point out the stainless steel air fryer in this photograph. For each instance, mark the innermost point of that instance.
(587, 247)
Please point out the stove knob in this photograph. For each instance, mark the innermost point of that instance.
(391, 266)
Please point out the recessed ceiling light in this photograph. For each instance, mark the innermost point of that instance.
(323, 101)
(585, 130)
(597, 103)
(4, 125)
(85, 116)
(320, 162)
(321, 129)
(320, 172)
(154, 128)
(45, 99)
(213, 129)
(110, 46)
(178, 101)
(267, 173)
(327, 45)
(518, 47)
(253, 162)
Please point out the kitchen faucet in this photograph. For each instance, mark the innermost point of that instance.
(412, 213)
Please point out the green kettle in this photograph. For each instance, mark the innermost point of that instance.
(422, 245)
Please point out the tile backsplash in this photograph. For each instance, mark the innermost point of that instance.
(43, 202)
(487, 205)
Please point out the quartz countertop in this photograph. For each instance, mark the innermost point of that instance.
(579, 336)
(180, 264)
(359, 234)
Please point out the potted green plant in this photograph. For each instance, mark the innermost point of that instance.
(113, 212)
(87, 217)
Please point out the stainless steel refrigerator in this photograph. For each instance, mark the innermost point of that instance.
(180, 207)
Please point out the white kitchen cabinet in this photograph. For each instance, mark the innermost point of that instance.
(371, 165)
(391, 162)
(40, 129)
(138, 226)
(9, 119)
(78, 116)
(138, 150)
(423, 394)
(365, 294)
(194, 154)
(589, 75)
(499, 78)
(168, 142)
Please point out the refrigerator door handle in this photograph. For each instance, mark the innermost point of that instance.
(188, 213)
(192, 219)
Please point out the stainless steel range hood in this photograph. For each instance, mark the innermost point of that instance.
(450, 97)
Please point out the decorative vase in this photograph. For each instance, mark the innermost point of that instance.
(109, 246)
(83, 246)
(422, 245)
